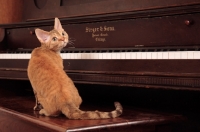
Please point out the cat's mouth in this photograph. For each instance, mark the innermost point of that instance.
(63, 44)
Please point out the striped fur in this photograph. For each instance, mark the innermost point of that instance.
(55, 92)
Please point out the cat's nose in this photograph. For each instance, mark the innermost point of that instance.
(61, 39)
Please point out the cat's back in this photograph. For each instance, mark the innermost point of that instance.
(44, 56)
(39, 52)
(44, 60)
(39, 57)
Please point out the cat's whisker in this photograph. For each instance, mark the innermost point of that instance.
(71, 43)
(72, 39)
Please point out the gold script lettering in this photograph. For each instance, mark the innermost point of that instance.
(91, 30)
(100, 33)
(109, 28)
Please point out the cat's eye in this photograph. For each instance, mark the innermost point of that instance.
(54, 38)
(63, 34)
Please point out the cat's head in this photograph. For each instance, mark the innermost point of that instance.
(54, 40)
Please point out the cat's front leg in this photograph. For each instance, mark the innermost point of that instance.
(48, 113)
(37, 106)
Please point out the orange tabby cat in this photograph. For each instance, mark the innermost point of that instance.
(53, 89)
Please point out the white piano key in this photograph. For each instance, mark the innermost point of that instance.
(159, 55)
(71, 55)
(78, 55)
(183, 55)
(128, 55)
(177, 55)
(88, 55)
(20, 56)
(171, 55)
(114, 55)
(118, 55)
(74, 55)
(25, 56)
(16, 56)
(84, 56)
(104, 55)
(64, 56)
(29, 56)
(165, 55)
(11, 56)
(122, 55)
(148, 55)
(3, 56)
(95, 56)
(133, 55)
(196, 55)
(154, 55)
(190, 55)
(100, 55)
(138, 55)
(109, 56)
(143, 55)
(8, 56)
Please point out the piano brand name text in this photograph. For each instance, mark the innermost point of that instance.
(99, 34)
(99, 29)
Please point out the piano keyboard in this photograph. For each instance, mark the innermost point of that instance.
(115, 55)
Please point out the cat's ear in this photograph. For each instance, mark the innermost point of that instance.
(57, 24)
(43, 36)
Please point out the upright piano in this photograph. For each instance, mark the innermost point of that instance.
(145, 54)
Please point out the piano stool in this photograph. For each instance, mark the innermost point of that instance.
(16, 114)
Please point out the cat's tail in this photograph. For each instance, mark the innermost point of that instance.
(75, 113)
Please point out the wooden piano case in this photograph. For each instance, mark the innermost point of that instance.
(107, 26)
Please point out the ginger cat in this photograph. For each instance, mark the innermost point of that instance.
(53, 89)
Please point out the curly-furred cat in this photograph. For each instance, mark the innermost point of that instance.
(53, 89)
